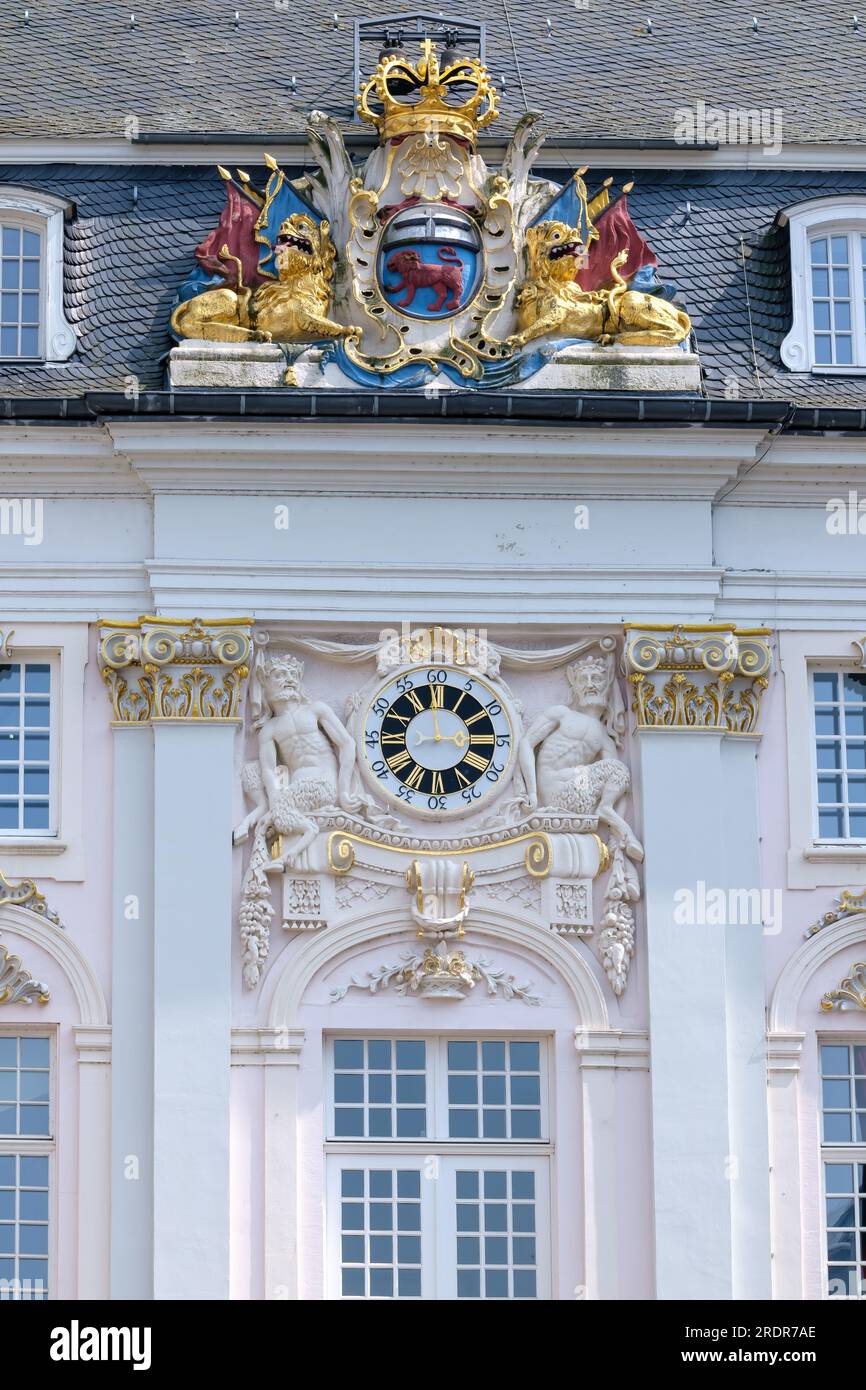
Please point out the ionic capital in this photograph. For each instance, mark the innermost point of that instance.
(158, 669)
(697, 677)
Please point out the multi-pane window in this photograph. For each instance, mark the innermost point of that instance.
(843, 1104)
(20, 291)
(837, 284)
(438, 1156)
(840, 754)
(25, 1155)
(25, 746)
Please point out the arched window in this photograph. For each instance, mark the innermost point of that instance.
(33, 326)
(828, 286)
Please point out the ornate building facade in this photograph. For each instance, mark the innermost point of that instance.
(432, 690)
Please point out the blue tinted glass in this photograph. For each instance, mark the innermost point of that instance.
(381, 1283)
(379, 1124)
(839, 1177)
(10, 713)
(36, 747)
(33, 1240)
(35, 1052)
(523, 1218)
(855, 755)
(467, 1216)
(30, 275)
(823, 349)
(831, 825)
(468, 1250)
(7, 1170)
(495, 1283)
(496, 1185)
(835, 1060)
(836, 1095)
(36, 815)
(348, 1054)
(8, 1052)
(353, 1283)
(409, 1250)
(37, 714)
(840, 1211)
(819, 251)
(34, 1119)
(411, 1056)
(409, 1283)
(525, 1124)
(837, 1129)
(462, 1056)
(349, 1088)
(352, 1182)
(820, 283)
(494, 1124)
(493, 1091)
(8, 340)
(380, 1183)
(35, 782)
(379, 1055)
(9, 781)
(34, 1085)
(353, 1216)
(495, 1216)
(408, 1183)
(7, 1206)
(493, 1056)
(523, 1250)
(496, 1250)
(524, 1056)
(353, 1250)
(841, 1245)
(34, 1172)
(467, 1185)
(379, 1089)
(411, 1124)
(408, 1216)
(468, 1283)
(463, 1090)
(9, 679)
(31, 243)
(348, 1123)
(411, 1090)
(524, 1283)
(34, 1206)
(463, 1124)
(29, 342)
(525, 1090)
(381, 1250)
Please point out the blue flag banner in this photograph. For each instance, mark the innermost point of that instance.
(281, 200)
(569, 206)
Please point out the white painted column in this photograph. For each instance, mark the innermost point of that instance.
(784, 1050)
(697, 694)
(94, 1167)
(601, 1055)
(193, 775)
(746, 987)
(183, 680)
(684, 844)
(132, 1014)
(282, 1162)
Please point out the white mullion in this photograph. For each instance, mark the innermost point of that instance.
(858, 309)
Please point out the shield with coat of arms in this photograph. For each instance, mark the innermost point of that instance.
(431, 261)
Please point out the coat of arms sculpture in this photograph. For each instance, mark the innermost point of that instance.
(422, 262)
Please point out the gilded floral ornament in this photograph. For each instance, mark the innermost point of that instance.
(697, 677)
(847, 905)
(24, 893)
(851, 993)
(17, 985)
(175, 668)
(439, 974)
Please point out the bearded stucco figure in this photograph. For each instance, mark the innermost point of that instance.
(568, 757)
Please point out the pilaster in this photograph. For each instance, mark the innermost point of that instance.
(696, 703)
(176, 687)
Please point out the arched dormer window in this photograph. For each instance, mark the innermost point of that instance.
(828, 286)
(33, 326)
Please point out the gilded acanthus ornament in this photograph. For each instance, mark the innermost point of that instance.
(175, 668)
(851, 993)
(24, 893)
(847, 905)
(439, 973)
(17, 985)
(697, 677)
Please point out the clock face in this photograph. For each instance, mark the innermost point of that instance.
(438, 740)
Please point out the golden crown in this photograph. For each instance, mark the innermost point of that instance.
(409, 97)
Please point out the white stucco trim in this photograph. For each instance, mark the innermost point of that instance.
(804, 220)
(808, 958)
(57, 943)
(45, 213)
(92, 1037)
(61, 854)
(298, 967)
(811, 864)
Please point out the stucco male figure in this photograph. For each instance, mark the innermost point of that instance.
(568, 757)
(306, 763)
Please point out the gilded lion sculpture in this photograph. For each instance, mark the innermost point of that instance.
(291, 310)
(552, 302)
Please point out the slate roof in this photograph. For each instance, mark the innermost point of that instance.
(79, 69)
(124, 264)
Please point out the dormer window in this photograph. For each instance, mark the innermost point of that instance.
(828, 285)
(33, 326)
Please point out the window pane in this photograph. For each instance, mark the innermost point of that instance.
(501, 1261)
(376, 1092)
(509, 1078)
(31, 243)
(24, 1237)
(819, 251)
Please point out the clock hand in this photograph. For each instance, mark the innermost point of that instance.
(436, 734)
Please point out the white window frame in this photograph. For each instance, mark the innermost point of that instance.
(443, 1157)
(41, 1146)
(46, 214)
(835, 1151)
(52, 661)
(820, 217)
(813, 863)
(840, 672)
(63, 646)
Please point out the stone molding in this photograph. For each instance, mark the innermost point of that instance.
(696, 677)
(161, 670)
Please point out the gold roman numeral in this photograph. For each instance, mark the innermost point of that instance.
(475, 760)
(414, 778)
(416, 704)
(436, 694)
(460, 701)
(464, 781)
(437, 788)
(401, 718)
(473, 718)
(398, 761)
(395, 738)
(488, 739)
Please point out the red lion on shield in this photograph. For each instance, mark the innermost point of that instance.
(415, 274)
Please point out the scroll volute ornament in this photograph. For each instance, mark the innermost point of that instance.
(697, 677)
(175, 668)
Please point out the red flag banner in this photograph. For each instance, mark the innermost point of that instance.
(616, 231)
(235, 230)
